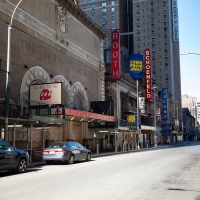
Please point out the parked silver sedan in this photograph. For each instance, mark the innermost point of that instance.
(66, 151)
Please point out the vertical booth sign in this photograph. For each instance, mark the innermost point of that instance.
(115, 50)
(148, 74)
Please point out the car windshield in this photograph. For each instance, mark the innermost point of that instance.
(58, 145)
(5, 147)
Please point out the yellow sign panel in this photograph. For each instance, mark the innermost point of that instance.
(131, 118)
(136, 65)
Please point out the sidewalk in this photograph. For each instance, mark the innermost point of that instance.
(110, 153)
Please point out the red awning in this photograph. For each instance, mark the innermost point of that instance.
(84, 115)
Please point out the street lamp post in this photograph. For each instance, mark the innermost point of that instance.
(154, 102)
(138, 128)
(8, 74)
(185, 53)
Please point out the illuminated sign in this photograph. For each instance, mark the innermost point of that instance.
(148, 75)
(135, 66)
(175, 20)
(164, 104)
(115, 50)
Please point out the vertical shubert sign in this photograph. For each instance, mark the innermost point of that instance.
(115, 39)
(148, 75)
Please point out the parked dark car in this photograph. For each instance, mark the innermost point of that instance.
(12, 158)
(69, 151)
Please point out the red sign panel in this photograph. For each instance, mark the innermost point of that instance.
(148, 75)
(115, 50)
(80, 113)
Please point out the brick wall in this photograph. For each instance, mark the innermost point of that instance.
(27, 50)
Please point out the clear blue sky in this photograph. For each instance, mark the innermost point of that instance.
(189, 38)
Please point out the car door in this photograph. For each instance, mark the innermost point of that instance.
(1, 158)
(8, 156)
(74, 150)
(83, 152)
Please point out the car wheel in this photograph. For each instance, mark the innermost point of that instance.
(88, 157)
(22, 165)
(71, 159)
(48, 162)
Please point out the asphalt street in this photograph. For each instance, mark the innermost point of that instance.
(167, 174)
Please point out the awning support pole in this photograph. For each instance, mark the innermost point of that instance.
(31, 144)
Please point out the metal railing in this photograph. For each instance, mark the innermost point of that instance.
(23, 108)
(124, 123)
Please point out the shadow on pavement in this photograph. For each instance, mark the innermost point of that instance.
(14, 173)
(182, 190)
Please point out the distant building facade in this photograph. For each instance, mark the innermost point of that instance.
(190, 103)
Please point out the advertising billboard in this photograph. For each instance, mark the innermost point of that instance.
(142, 104)
(166, 129)
(48, 93)
(115, 51)
(148, 74)
(164, 104)
(135, 66)
(131, 118)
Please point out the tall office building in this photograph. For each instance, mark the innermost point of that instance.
(144, 24)
(111, 15)
(155, 26)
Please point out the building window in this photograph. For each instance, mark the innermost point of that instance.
(104, 17)
(104, 11)
(113, 22)
(103, 5)
(112, 15)
(103, 24)
(112, 3)
(92, 12)
(112, 9)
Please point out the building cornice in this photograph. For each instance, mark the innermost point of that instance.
(82, 17)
